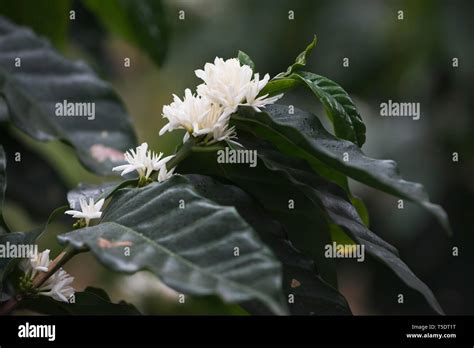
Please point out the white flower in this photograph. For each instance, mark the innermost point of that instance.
(224, 133)
(229, 84)
(58, 286)
(142, 160)
(254, 89)
(198, 116)
(37, 263)
(165, 174)
(88, 211)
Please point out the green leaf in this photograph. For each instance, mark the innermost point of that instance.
(191, 249)
(326, 198)
(14, 239)
(338, 105)
(322, 193)
(301, 134)
(338, 208)
(38, 16)
(312, 295)
(278, 86)
(3, 185)
(306, 227)
(308, 191)
(361, 210)
(44, 79)
(244, 59)
(300, 61)
(141, 22)
(91, 301)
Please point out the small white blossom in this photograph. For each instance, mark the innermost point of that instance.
(254, 89)
(229, 84)
(88, 211)
(58, 286)
(142, 160)
(198, 116)
(37, 263)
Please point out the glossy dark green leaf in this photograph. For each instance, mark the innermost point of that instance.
(15, 239)
(141, 22)
(337, 206)
(306, 226)
(338, 106)
(301, 134)
(326, 198)
(311, 294)
(244, 59)
(91, 301)
(306, 188)
(44, 79)
(3, 185)
(321, 192)
(278, 86)
(300, 61)
(190, 248)
(283, 82)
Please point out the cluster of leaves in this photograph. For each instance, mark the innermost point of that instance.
(185, 230)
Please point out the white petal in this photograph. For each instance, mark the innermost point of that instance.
(120, 168)
(72, 212)
(99, 204)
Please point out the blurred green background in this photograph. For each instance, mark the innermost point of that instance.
(407, 60)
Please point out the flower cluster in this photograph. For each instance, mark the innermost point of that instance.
(205, 114)
(227, 84)
(58, 286)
